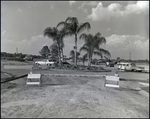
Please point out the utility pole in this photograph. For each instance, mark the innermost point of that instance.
(130, 55)
(16, 50)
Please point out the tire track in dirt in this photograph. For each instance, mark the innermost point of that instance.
(52, 108)
(65, 109)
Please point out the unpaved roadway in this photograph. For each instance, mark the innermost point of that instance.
(66, 97)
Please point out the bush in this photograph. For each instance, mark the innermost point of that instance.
(20, 59)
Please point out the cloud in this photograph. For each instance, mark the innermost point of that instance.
(121, 45)
(35, 44)
(92, 3)
(140, 6)
(72, 2)
(51, 6)
(125, 41)
(84, 4)
(85, 11)
(108, 29)
(19, 10)
(32, 46)
(116, 10)
(118, 45)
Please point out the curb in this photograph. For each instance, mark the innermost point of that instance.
(14, 78)
(74, 75)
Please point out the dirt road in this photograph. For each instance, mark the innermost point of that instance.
(64, 97)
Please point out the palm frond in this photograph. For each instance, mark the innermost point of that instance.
(98, 34)
(68, 33)
(72, 20)
(84, 26)
(84, 57)
(98, 41)
(62, 23)
(69, 19)
(103, 40)
(72, 53)
(105, 52)
(98, 53)
(106, 58)
(83, 36)
(83, 48)
(51, 32)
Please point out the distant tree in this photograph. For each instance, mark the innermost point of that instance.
(45, 51)
(118, 59)
(22, 56)
(94, 61)
(54, 50)
(57, 36)
(9, 55)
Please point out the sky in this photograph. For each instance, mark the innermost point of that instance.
(124, 24)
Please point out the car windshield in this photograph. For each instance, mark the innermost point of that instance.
(44, 60)
(133, 64)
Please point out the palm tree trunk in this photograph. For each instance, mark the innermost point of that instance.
(62, 54)
(59, 54)
(89, 60)
(59, 57)
(75, 49)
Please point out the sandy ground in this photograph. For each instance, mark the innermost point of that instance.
(73, 97)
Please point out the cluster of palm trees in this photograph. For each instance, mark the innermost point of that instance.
(71, 27)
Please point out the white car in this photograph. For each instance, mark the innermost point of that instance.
(45, 62)
(127, 66)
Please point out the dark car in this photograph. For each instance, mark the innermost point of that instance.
(66, 64)
(110, 63)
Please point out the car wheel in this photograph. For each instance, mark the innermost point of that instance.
(38, 64)
(132, 70)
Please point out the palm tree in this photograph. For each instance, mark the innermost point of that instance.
(92, 46)
(56, 35)
(73, 27)
(84, 58)
(61, 36)
(72, 54)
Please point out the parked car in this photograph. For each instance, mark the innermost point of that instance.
(45, 62)
(128, 66)
(66, 64)
(110, 63)
(146, 70)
